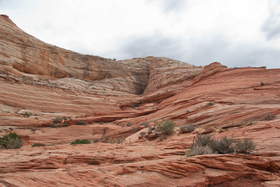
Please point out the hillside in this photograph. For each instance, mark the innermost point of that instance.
(53, 96)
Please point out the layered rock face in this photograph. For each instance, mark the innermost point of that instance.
(26, 57)
(108, 102)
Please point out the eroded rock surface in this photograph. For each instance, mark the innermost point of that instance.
(54, 96)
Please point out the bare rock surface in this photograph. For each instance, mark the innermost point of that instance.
(51, 96)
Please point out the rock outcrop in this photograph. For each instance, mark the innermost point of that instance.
(52, 96)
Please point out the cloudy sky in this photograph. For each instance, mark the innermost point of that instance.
(236, 33)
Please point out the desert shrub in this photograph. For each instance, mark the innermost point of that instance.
(210, 104)
(129, 124)
(223, 146)
(205, 144)
(199, 150)
(245, 146)
(145, 124)
(166, 127)
(27, 114)
(203, 140)
(10, 141)
(161, 130)
(60, 122)
(269, 117)
(82, 141)
(186, 129)
(81, 123)
(142, 134)
(38, 145)
(116, 140)
(59, 119)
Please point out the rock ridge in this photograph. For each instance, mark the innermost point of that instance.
(51, 97)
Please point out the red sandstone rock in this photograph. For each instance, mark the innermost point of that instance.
(108, 102)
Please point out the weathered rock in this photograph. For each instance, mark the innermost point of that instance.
(114, 103)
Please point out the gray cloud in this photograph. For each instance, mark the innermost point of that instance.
(173, 5)
(202, 51)
(7, 5)
(271, 26)
(189, 29)
(2, 2)
(170, 5)
(152, 45)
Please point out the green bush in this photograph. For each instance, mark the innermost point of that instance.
(10, 141)
(187, 129)
(205, 144)
(210, 104)
(38, 145)
(166, 127)
(81, 123)
(78, 141)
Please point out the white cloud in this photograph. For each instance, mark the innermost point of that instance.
(191, 30)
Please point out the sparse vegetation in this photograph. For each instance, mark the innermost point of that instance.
(186, 129)
(269, 117)
(160, 130)
(245, 146)
(135, 105)
(27, 114)
(38, 145)
(200, 150)
(145, 124)
(81, 123)
(60, 119)
(10, 141)
(166, 127)
(223, 146)
(205, 144)
(80, 141)
(129, 124)
(210, 104)
(116, 140)
(60, 122)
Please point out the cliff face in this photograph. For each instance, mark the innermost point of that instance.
(25, 56)
(108, 101)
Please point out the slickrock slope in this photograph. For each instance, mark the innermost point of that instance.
(108, 101)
